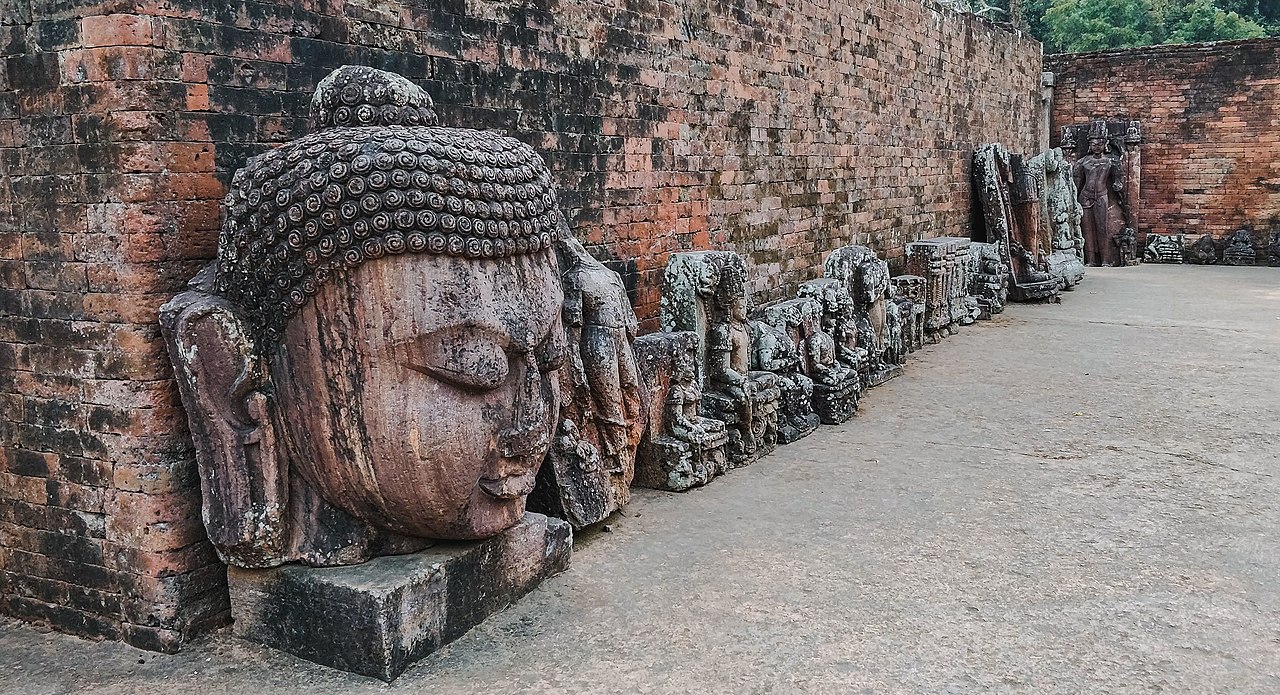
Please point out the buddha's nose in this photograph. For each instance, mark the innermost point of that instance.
(529, 435)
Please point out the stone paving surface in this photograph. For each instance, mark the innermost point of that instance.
(1071, 498)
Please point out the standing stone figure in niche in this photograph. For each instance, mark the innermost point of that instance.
(680, 449)
(372, 360)
(607, 400)
(988, 278)
(896, 334)
(908, 292)
(602, 325)
(866, 280)
(1239, 249)
(1126, 241)
(705, 292)
(1099, 178)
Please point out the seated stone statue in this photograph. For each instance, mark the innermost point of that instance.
(705, 292)
(1273, 250)
(1239, 249)
(777, 350)
(681, 407)
(371, 361)
(837, 385)
(680, 448)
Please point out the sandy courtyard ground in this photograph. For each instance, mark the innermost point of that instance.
(1080, 498)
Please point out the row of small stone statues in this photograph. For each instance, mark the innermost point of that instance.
(1236, 249)
(401, 341)
(726, 383)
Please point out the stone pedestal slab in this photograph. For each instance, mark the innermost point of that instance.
(379, 617)
(884, 374)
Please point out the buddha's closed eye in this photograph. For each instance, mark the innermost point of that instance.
(469, 357)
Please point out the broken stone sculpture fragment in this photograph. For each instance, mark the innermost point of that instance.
(590, 466)
(1164, 248)
(1204, 251)
(705, 292)
(1010, 194)
(1060, 216)
(943, 262)
(1239, 249)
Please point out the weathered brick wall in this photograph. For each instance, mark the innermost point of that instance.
(103, 212)
(781, 130)
(1211, 120)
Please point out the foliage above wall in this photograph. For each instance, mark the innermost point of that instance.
(1074, 26)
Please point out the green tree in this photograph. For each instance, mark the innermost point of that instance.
(1033, 12)
(1264, 12)
(1192, 21)
(1074, 26)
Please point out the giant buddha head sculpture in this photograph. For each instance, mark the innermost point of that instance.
(377, 338)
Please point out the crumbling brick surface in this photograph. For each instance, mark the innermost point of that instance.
(780, 130)
(1211, 145)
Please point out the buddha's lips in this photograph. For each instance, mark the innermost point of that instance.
(509, 487)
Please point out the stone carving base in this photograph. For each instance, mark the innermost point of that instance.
(378, 618)
(1202, 251)
(1239, 249)
(1068, 267)
(884, 374)
(795, 429)
(836, 404)
(675, 465)
(1043, 291)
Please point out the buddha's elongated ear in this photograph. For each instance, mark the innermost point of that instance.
(224, 386)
